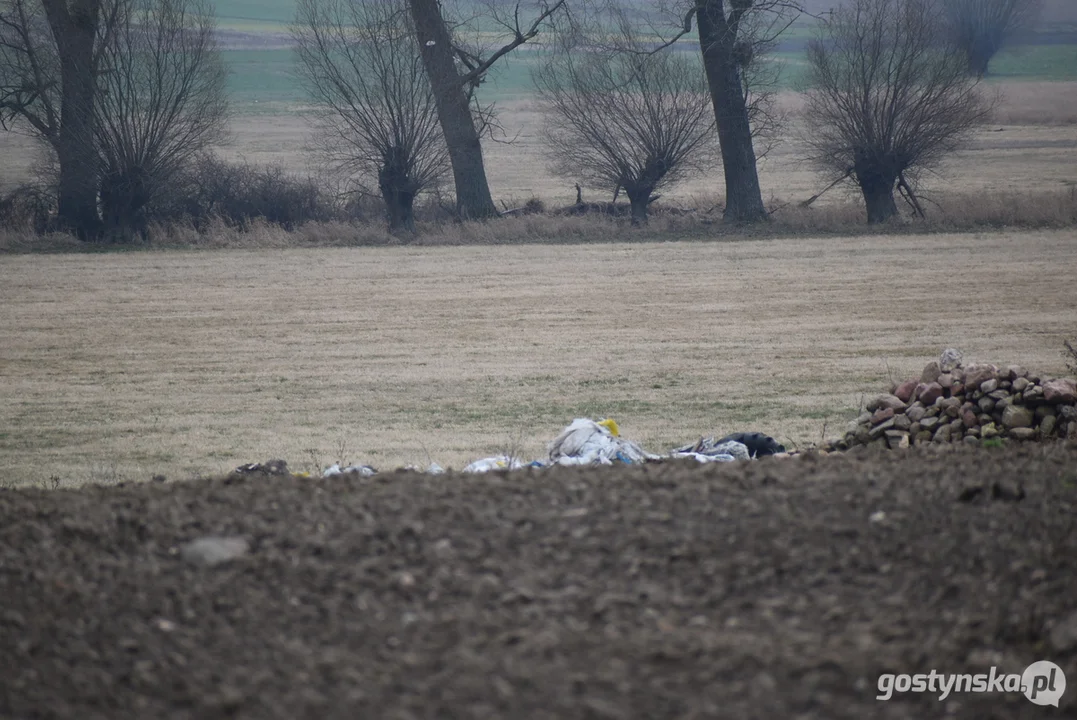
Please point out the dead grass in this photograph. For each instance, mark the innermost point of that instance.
(125, 365)
(964, 212)
(1036, 103)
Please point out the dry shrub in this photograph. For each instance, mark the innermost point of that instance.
(239, 193)
(28, 207)
(949, 213)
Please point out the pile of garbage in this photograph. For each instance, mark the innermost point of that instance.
(954, 403)
(582, 442)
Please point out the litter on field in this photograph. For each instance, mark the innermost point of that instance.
(586, 442)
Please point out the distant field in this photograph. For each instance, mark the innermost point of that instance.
(263, 81)
(120, 366)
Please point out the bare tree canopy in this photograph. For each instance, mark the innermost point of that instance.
(161, 101)
(622, 117)
(980, 28)
(454, 72)
(888, 96)
(122, 90)
(376, 116)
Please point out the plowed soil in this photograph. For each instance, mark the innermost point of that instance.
(772, 589)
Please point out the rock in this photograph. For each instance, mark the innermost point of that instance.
(986, 404)
(915, 412)
(989, 431)
(1017, 417)
(932, 411)
(984, 418)
(972, 440)
(1013, 372)
(1032, 394)
(914, 429)
(950, 359)
(1059, 392)
(988, 386)
(923, 437)
(928, 393)
(1069, 412)
(897, 440)
(968, 418)
(878, 430)
(886, 401)
(902, 422)
(904, 391)
(973, 432)
(950, 406)
(1071, 434)
(1043, 411)
(931, 373)
(210, 551)
(864, 418)
(1005, 385)
(998, 395)
(957, 389)
(1047, 426)
(946, 380)
(882, 415)
(942, 435)
(975, 375)
(1022, 433)
(851, 426)
(929, 423)
(1003, 404)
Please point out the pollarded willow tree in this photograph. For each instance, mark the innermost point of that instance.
(377, 117)
(123, 92)
(620, 116)
(887, 96)
(980, 28)
(162, 102)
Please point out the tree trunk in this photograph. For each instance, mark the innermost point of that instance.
(473, 198)
(979, 58)
(74, 29)
(878, 189)
(744, 199)
(639, 200)
(398, 191)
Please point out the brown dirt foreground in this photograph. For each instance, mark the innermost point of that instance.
(770, 589)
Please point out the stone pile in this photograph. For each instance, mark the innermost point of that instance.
(953, 403)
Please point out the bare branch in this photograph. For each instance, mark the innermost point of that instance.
(519, 38)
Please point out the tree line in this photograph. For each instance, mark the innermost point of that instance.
(128, 95)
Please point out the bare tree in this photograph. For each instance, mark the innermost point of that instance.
(123, 91)
(980, 28)
(626, 118)
(732, 33)
(888, 96)
(454, 72)
(48, 78)
(377, 116)
(161, 102)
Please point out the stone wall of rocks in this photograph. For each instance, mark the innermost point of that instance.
(953, 403)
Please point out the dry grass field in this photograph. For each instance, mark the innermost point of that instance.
(121, 366)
